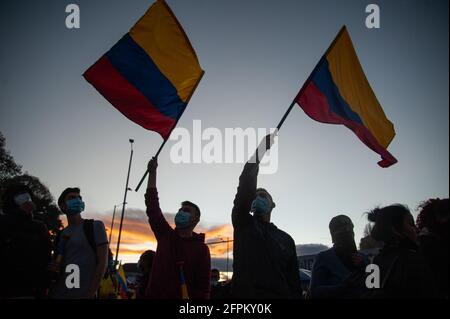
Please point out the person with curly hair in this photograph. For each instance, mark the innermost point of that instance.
(432, 222)
(404, 272)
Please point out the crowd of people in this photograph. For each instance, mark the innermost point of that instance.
(413, 260)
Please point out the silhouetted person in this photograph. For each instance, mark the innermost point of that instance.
(404, 272)
(432, 222)
(265, 262)
(215, 277)
(82, 243)
(25, 246)
(334, 266)
(219, 290)
(144, 266)
(181, 252)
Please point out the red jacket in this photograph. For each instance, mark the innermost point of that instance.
(164, 280)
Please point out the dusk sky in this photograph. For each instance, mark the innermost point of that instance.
(256, 56)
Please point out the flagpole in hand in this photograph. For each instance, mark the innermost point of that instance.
(265, 144)
(146, 172)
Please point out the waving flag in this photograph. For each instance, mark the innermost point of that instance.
(122, 281)
(337, 92)
(151, 73)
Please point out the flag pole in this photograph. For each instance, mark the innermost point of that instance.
(112, 224)
(285, 115)
(124, 202)
(176, 122)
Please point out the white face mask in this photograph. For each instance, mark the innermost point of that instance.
(22, 199)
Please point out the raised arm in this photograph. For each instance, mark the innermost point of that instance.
(247, 184)
(156, 218)
(245, 194)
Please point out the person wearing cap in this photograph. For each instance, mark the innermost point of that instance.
(333, 266)
(25, 246)
(265, 263)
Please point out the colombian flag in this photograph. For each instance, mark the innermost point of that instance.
(122, 281)
(151, 73)
(337, 92)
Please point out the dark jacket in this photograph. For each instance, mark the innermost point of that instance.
(436, 252)
(404, 273)
(221, 291)
(265, 262)
(328, 275)
(25, 251)
(164, 280)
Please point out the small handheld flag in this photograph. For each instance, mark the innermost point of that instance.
(337, 92)
(122, 283)
(183, 286)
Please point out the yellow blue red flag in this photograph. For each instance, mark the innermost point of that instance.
(151, 73)
(338, 92)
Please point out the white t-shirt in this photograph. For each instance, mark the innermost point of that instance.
(77, 251)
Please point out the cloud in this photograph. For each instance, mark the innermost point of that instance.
(137, 235)
(221, 264)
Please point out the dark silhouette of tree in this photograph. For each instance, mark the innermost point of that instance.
(8, 167)
(50, 217)
(46, 209)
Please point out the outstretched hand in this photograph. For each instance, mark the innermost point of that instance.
(151, 168)
(152, 165)
(265, 144)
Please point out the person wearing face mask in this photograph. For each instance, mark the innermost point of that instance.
(265, 263)
(25, 246)
(83, 243)
(334, 266)
(404, 272)
(432, 222)
(181, 265)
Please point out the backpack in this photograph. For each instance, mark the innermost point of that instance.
(88, 228)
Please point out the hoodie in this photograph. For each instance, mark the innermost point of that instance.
(172, 251)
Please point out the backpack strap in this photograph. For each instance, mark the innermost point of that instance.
(88, 228)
